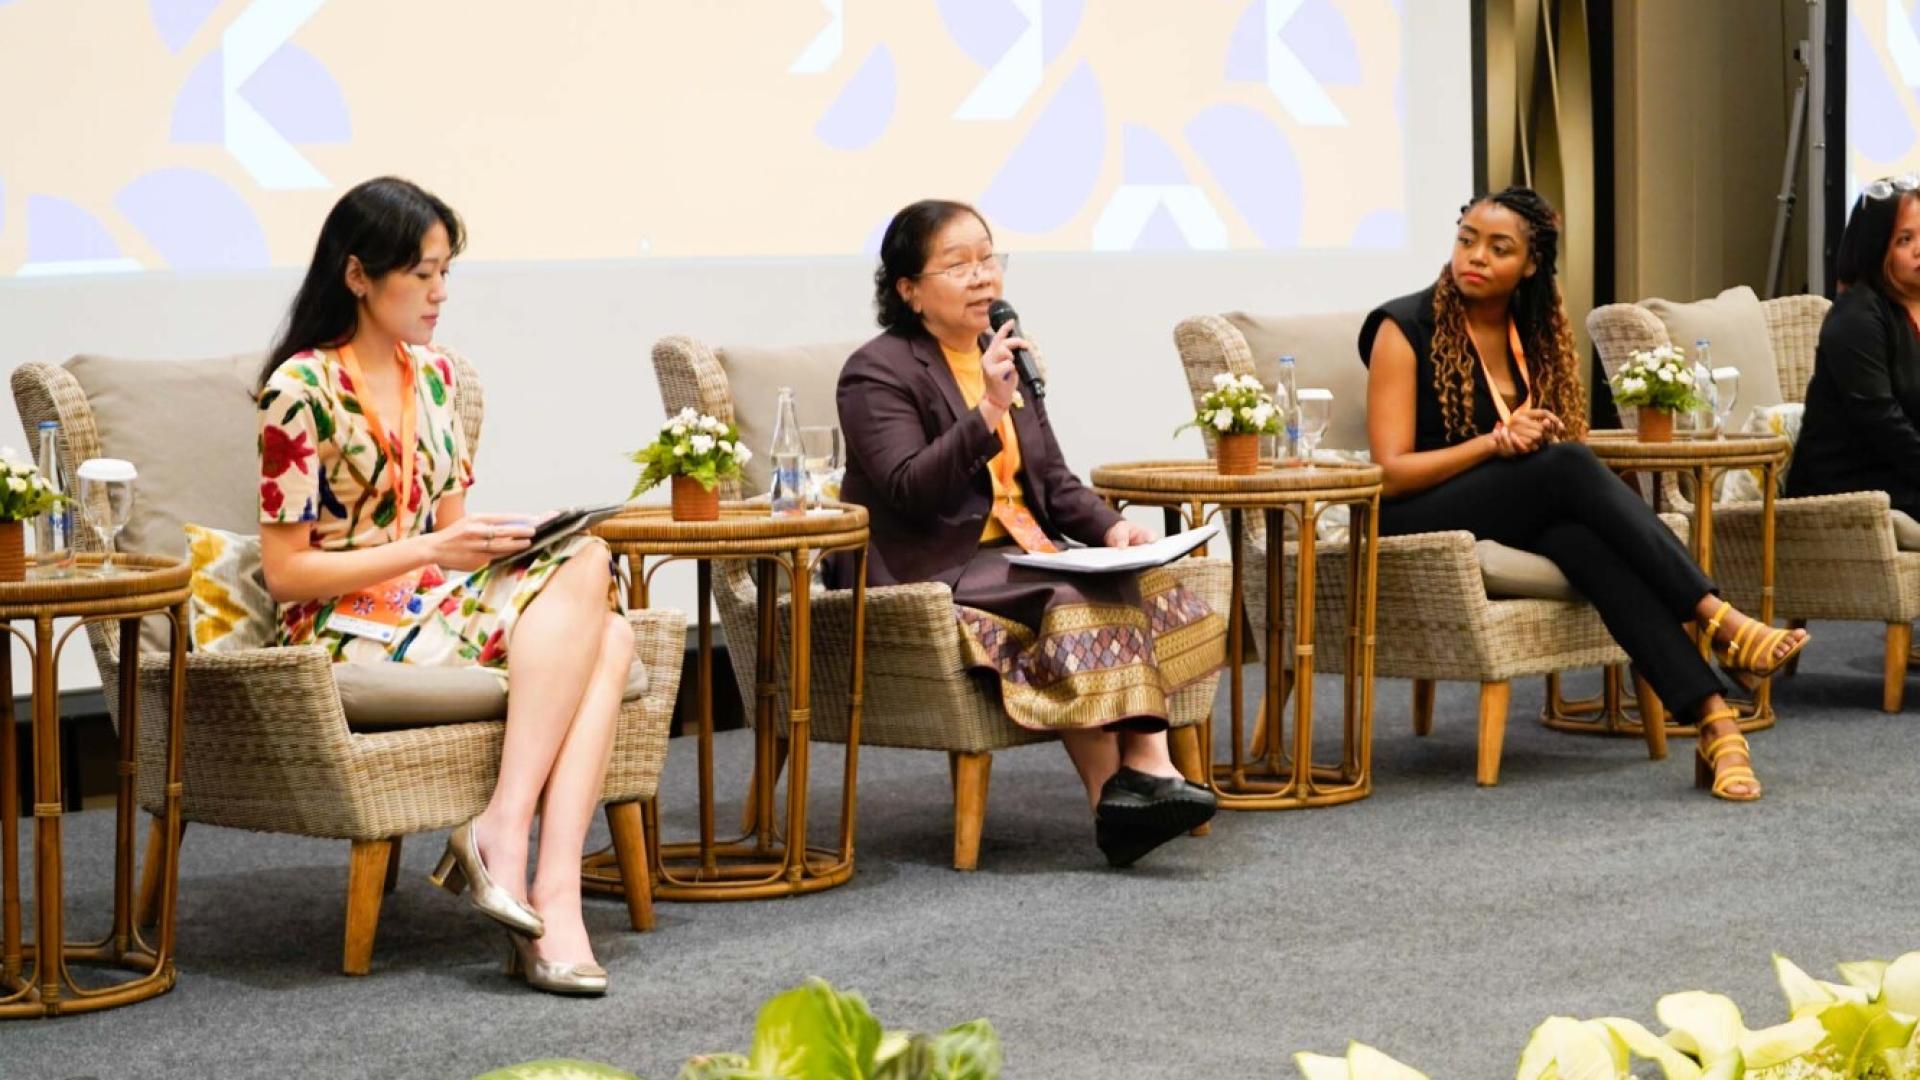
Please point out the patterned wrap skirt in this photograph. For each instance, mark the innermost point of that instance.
(454, 618)
(1074, 651)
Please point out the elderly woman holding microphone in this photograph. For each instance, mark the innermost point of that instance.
(958, 468)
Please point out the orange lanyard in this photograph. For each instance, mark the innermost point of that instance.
(401, 475)
(1519, 361)
(1003, 462)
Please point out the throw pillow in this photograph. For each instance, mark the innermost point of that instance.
(230, 608)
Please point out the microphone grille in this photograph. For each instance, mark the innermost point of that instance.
(1000, 313)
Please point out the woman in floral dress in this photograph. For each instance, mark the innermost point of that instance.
(370, 551)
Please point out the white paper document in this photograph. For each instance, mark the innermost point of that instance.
(1106, 560)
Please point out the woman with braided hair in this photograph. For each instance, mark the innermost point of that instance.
(1475, 414)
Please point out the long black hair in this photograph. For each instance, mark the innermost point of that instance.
(903, 254)
(380, 222)
(1862, 257)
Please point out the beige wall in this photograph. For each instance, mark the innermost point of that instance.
(1702, 93)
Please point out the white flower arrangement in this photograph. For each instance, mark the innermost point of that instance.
(24, 493)
(692, 444)
(1656, 379)
(1237, 405)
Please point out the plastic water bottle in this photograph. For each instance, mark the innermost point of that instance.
(1286, 398)
(1707, 416)
(789, 496)
(52, 531)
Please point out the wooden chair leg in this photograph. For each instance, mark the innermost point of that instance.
(1493, 729)
(970, 772)
(366, 875)
(1183, 745)
(393, 868)
(1793, 662)
(630, 851)
(1899, 644)
(1653, 717)
(1423, 706)
(147, 906)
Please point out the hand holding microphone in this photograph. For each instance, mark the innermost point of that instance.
(997, 368)
(1000, 316)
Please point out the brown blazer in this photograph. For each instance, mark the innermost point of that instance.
(917, 460)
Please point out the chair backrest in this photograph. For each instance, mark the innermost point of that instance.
(1323, 348)
(189, 426)
(1793, 331)
(741, 385)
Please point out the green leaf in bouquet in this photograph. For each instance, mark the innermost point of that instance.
(722, 1067)
(1858, 1034)
(814, 1032)
(558, 1069)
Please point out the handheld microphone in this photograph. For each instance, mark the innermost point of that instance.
(999, 315)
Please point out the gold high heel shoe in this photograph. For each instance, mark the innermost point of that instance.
(1706, 762)
(580, 980)
(461, 867)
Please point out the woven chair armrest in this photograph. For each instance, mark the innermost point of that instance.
(288, 686)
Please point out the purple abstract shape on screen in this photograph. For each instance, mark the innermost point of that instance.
(200, 110)
(299, 97)
(1254, 164)
(879, 233)
(1247, 48)
(1051, 174)
(865, 106)
(178, 20)
(1382, 229)
(58, 231)
(1161, 233)
(1877, 124)
(1318, 35)
(984, 29)
(1058, 21)
(194, 220)
(1147, 158)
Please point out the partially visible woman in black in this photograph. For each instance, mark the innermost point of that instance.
(1862, 426)
(1474, 413)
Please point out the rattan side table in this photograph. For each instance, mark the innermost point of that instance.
(33, 974)
(1195, 490)
(769, 859)
(1702, 459)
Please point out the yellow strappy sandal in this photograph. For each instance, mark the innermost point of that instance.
(1706, 770)
(1749, 656)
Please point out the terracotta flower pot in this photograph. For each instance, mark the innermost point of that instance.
(1656, 425)
(13, 551)
(1239, 455)
(693, 502)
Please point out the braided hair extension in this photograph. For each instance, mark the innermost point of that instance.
(1538, 314)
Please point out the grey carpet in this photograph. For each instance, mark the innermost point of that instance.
(1435, 920)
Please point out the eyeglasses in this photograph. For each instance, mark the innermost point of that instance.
(1887, 185)
(962, 273)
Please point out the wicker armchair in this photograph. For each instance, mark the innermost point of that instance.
(919, 694)
(1435, 618)
(268, 744)
(1835, 555)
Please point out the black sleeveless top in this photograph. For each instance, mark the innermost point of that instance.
(1414, 315)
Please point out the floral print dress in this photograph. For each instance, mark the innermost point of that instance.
(319, 466)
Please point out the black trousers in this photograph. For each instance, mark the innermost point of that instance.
(1561, 502)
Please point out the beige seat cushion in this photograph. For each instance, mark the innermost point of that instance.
(1511, 574)
(755, 375)
(188, 426)
(1735, 325)
(1906, 531)
(1325, 351)
(383, 697)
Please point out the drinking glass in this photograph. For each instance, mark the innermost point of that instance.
(822, 457)
(1726, 391)
(106, 501)
(1316, 411)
